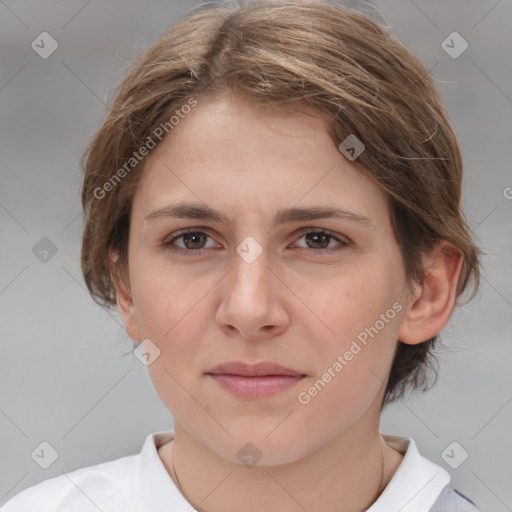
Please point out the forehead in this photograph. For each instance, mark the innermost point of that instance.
(239, 157)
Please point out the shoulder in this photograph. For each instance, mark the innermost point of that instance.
(419, 485)
(451, 500)
(129, 484)
(80, 490)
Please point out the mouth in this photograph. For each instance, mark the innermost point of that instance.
(256, 380)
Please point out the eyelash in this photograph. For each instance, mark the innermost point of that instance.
(168, 244)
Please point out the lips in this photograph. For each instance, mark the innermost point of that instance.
(256, 380)
(253, 370)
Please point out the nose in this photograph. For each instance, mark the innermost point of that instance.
(253, 299)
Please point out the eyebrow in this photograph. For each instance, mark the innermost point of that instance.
(203, 212)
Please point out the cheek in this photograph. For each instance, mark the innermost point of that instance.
(352, 365)
(355, 298)
(165, 297)
(362, 310)
(171, 313)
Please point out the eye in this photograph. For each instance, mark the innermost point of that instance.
(319, 240)
(193, 241)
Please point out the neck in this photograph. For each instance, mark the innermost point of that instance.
(346, 475)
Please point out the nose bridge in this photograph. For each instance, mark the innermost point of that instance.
(250, 266)
(250, 303)
(248, 300)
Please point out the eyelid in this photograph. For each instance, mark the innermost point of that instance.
(342, 240)
(177, 234)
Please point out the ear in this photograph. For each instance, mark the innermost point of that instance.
(432, 301)
(124, 298)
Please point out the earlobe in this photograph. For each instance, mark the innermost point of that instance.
(125, 303)
(432, 301)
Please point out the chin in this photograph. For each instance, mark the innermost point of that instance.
(256, 447)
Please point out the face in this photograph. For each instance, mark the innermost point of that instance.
(321, 296)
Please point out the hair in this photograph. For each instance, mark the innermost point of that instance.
(341, 63)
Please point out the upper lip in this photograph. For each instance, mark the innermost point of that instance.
(253, 370)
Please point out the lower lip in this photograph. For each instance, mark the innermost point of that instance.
(254, 387)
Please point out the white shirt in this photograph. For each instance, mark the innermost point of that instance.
(140, 483)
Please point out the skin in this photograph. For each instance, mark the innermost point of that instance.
(289, 306)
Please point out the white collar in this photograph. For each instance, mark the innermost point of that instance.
(158, 489)
(416, 484)
(414, 487)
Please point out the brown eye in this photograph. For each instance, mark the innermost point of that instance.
(318, 240)
(188, 242)
(194, 240)
(321, 241)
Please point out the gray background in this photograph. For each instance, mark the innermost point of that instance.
(67, 374)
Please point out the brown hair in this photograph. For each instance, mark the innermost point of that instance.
(338, 61)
